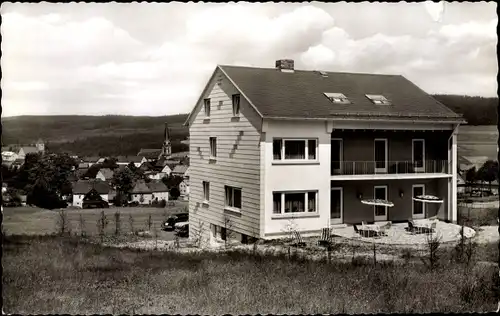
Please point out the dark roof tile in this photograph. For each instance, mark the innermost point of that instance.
(301, 94)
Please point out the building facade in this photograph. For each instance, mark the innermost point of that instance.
(270, 146)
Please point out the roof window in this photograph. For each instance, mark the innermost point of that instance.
(378, 99)
(337, 98)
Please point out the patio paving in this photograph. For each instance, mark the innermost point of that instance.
(397, 235)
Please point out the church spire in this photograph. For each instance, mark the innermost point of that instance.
(166, 149)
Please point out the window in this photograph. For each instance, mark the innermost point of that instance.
(206, 106)
(236, 104)
(337, 98)
(206, 191)
(378, 99)
(294, 202)
(277, 148)
(294, 149)
(277, 203)
(213, 147)
(233, 197)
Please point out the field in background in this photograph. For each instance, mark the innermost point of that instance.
(54, 275)
(478, 141)
(34, 221)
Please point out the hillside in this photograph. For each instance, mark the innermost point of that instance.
(126, 135)
(95, 135)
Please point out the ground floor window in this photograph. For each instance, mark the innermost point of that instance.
(294, 202)
(233, 197)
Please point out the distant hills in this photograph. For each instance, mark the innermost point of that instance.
(126, 135)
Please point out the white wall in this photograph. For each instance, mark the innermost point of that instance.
(314, 177)
(78, 199)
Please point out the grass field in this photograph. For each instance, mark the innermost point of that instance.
(477, 217)
(35, 221)
(55, 275)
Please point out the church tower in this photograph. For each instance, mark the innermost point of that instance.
(166, 149)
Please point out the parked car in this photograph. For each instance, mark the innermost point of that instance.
(95, 204)
(182, 229)
(169, 224)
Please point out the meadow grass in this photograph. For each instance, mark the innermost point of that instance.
(50, 274)
(36, 221)
(477, 216)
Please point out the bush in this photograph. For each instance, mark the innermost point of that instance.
(162, 203)
(175, 193)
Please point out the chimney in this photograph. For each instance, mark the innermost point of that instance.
(284, 65)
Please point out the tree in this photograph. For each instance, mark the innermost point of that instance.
(471, 177)
(174, 193)
(488, 172)
(123, 181)
(110, 163)
(172, 181)
(47, 179)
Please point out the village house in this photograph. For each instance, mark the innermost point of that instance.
(89, 161)
(179, 170)
(83, 187)
(145, 193)
(184, 190)
(150, 154)
(126, 160)
(316, 147)
(105, 174)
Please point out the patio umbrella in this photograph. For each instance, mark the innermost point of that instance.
(428, 199)
(378, 202)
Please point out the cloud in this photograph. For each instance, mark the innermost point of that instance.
(92, 59)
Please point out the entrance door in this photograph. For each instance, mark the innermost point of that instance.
(381, 155)
(380, 192)
(418, 208)
(336, 149)
(336, 206)
(418, 154)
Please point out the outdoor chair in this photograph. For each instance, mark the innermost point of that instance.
(366, 231)
(326, 237)
(385, 228)
(299, 242)
(411, 227)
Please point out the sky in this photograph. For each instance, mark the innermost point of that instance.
(155, 58)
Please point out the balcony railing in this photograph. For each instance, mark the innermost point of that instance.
(388, 167)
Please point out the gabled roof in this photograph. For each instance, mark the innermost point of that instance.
(157, 186)
(107, 173)
(90, 159)
(141, 187)
(180, 169)
(84, 186)
(149, 153)
(29, 150)
(129, 159)
(300, 95)
(83, 165)
(180, 154)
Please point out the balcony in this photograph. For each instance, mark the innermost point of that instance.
(388, 168)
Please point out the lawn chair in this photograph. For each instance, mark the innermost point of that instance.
(299, 242)
(411, 226)
(384, 228)
(326, 237)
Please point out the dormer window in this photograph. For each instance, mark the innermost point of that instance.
(378, 99)
(337, 98)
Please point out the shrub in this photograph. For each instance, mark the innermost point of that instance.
(162, 203)
(174, 193)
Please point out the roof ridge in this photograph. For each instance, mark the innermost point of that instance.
(316, 70)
